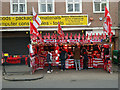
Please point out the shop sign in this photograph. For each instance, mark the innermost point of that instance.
(24, 21)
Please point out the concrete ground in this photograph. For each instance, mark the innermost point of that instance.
(91, 78)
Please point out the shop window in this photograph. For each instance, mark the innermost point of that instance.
(99, 6)
(45, 6)
(18, 6)
(73, 6)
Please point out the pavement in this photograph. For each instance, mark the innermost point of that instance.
(91, 78)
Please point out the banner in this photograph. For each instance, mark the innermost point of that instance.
(65, 20)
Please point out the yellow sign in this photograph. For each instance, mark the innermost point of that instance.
(65, 20)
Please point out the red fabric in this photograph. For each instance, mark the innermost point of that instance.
(70, 36)
(108, 24)
(83, 37)
(79, 36)
(33, 30)
(60, 30)
(26, 60)
(13, 60)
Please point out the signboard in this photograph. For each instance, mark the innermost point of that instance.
(65, 20)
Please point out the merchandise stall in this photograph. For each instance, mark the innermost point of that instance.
(98, 53)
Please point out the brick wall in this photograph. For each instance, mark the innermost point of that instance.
(60, 9)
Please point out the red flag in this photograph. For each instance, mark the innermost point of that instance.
(63, 36)
(111, 36)
(108, 24)
(102, 36)
(60, 30)
(70, 36)
(75, 37)
(105, 36)
(106, 12)
(94, 36)
(59, 37)
(91, 36)
(36, 19)
(52, 36)
(87, 36)
(33, 30)
(48, 36)
(55, 36)
(79, 36)
(66, 37)
(83, 36)
(44, 36)
(98, 36)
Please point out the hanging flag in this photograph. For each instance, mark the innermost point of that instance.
(75, 37)
(94, 36)
(44, 36)
(36, 19)
(40, 36)
(86, 36)
(52, 36)
(55, 36)
(79, 36)
(91, 36)
(70, 36)
(60, 32)
(102, 36)
(108, 23)
(33, 30)
(98, 36)
(66, 37)
(83, 36)
(59, 37)
(111, 34)
(48, 36)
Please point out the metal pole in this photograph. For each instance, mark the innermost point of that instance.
(119, 25)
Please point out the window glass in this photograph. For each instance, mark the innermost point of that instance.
(103, 6)
(77, 7)
(15, 7)
(43, 8)
(42, 1)
(76, 0)
(49, 1)
(18, 6)
(21, 1)
(46, 6)
(70, 7)
(103, 0)
(70, 0)
(15, 1)
(22, 7)
(49, 7)
(97, 6)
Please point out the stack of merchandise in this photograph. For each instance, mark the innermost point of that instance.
(69, 63)
(98, 63)
(81, 62)
(90, 61)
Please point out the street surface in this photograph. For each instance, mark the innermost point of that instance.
(91, 78)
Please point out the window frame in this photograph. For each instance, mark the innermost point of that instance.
(11, 8)
(53, 12)
(80, 3)
(107, 5)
